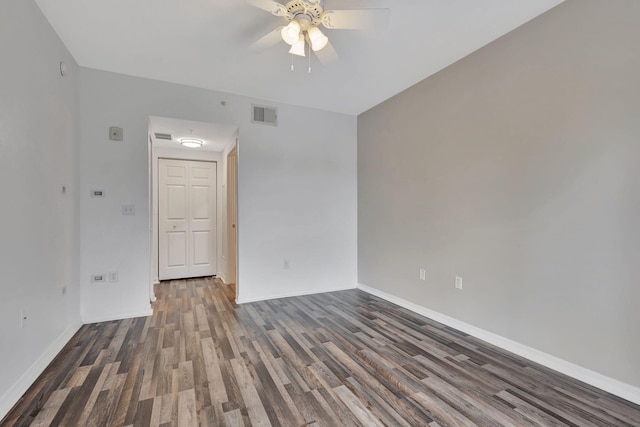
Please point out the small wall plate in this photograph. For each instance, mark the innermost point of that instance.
(116, 133)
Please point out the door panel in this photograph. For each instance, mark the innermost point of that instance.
(177, 171)
(172, 220)
(177, 249)
(186, 218)
(176, 202)
(201, 247)
(200, 172)
(202, 218)
(200, 202)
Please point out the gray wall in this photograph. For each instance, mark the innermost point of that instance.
(38, 232)
(296, 192)
(517, 168)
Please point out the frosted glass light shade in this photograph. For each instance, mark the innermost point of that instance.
(317, 38)
(191, 142)
(298, 48)
(291, 33)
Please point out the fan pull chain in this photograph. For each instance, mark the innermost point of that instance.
(292, 63)
(309, 51)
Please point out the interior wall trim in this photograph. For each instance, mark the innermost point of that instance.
(293, 294)
(120, 316)
(20, 387)
(603, 382)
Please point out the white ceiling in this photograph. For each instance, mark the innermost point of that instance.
(214, 135)
(205, 43)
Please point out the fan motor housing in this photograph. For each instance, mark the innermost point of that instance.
(313, 11)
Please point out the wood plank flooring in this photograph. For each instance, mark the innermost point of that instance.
(336, 359)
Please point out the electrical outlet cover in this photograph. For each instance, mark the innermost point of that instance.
(116, 133)
(129, 210)
(98, 278)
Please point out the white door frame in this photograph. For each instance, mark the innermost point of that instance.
(232, 219)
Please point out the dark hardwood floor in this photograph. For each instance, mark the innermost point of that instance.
(342, 358)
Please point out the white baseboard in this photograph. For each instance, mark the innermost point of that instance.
(241, 300)
(11, 397)
(608, 384)
(152, 294)
(117, 316)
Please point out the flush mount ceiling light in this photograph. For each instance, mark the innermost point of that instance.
(191, 142)
(305, 16)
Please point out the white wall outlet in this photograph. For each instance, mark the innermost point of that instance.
(129, 210)
(113, 276)
(458, 282)
(285, 264)
(98, 278)
(423, 274)
(23, 318)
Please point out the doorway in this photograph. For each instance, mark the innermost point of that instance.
(165, 135)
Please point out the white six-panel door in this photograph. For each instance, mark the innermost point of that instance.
(186, 219)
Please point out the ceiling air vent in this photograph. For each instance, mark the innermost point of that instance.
(165, 136)
(264, 115)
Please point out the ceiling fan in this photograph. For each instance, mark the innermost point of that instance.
(304, 18)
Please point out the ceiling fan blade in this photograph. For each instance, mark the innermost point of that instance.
(271, 39)
(360, 19)
(327, 55)
(270, 6)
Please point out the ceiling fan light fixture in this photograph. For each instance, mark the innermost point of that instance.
(191, 142)
(298, 47)
(317, 38)
(291, 33)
